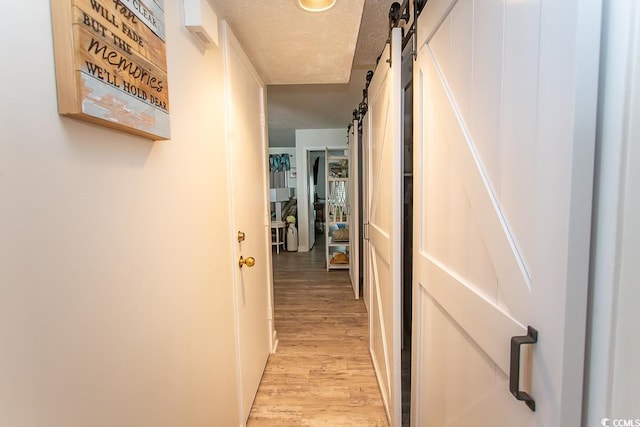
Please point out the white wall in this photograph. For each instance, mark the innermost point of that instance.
(308, 140)
(115, 278)
(613, 374)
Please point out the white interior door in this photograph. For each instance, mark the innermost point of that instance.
(366, 195)
(354, 211)
(505, 130)
(248, 160)
(384, 240)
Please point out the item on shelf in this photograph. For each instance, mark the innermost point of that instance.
(338, 169)
(340, 235)
(339, 258)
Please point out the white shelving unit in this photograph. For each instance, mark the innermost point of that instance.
(338, 242)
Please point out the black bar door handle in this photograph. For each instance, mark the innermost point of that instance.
(514, 369)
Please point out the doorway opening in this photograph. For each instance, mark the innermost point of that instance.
(317, 197)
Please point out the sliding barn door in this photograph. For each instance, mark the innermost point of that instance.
(354, 211)
(366, 250)
(505, 129)
(383, 267)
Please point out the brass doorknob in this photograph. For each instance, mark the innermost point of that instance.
(249, 261)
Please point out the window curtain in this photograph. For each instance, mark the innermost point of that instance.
(279, 167)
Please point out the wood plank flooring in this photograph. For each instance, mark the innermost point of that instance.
(321, 374)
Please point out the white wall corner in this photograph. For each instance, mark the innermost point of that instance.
(202, 21)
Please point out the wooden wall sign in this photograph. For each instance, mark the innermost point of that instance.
(111, 65)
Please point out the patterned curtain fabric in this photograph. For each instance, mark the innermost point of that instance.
(279, 162)
(279, 167)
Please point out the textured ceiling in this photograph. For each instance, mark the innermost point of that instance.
(314, 64)
(374, 31)
(291, 46)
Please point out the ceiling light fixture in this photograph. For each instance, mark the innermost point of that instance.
(316, 5)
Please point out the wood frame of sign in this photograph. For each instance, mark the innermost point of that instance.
(111, 64)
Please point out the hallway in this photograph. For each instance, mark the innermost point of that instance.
(321, 374)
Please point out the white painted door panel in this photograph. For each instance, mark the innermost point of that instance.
(383, 157)
(505, 129)
(248, 160)
(366, 256)
(354, 211)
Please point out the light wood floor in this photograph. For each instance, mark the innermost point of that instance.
(321, 374)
